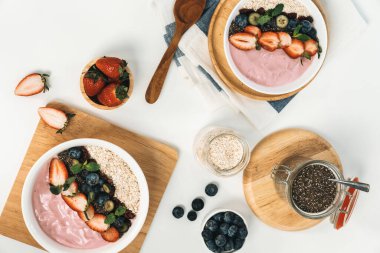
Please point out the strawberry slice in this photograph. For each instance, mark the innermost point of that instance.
(77, 203)
(269, 41)
(72, 190)
(97, 223)
(254, 30)
(285, 39)
(55, 118)
(32, 84)
(243, 41)
(111, 235)
(311, 47)
(57, 172)
(296, 49)
(112, 67)
(88, 214)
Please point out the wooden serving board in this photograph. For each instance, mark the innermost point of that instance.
(219, 60)
(157, 160)
(260, 191)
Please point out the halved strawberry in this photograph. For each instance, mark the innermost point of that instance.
(243, 41)
(32, 84)
(72, 190)
(311, 47)
(57, 172)
(55, 118)
(296, 49)
(111, 235)
(88, 214)
(77, 203)
(269, 41)
(254, 30)
(97, 223)
(113, 95)
(112, 67)
(285, 39)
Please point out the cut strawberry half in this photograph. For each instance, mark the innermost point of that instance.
(55, 118)
(269, 41)
(295, 50)
(57, 172)
(311, 47)
(111, 235)
(285, 39)
(88, 214)
(77, 203)
(243, 41)
(32, 84)
(97, 223)
(72, 190)
(254, 30)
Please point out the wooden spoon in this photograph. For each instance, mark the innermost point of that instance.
(186, 13)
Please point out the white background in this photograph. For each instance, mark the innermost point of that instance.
(60, 37)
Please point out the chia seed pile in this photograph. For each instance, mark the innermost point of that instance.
(312, 191)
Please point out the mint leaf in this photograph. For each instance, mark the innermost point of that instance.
(302, 37)
(110, 219)
(277, 10)
(68, 182)
(75, 169)
(263, 19)
(55, 189)
(297, 30)
(92, 167)
(306, 55)
(120, 210)
(319, 51)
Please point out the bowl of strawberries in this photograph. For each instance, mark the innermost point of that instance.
(106, 83)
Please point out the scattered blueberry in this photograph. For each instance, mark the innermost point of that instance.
(313, 34)
(242, 233)
(211, 245)
(197, 204)
(120, 222)
(211, 190)
(220, 240)
(229, 245)
(178, 212)
(92, 179)
(229, 217)
(292, 25)
(241, 20)
(212, 225)
(306, 26)
(101, 181)
(218, 217)
(223, 228)
(75, 153)
(102, 198)
(232, 230)
(207, 235)
(85, 188)
(192, 216)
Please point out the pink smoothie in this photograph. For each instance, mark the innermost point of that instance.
(269, 68)
(58, 221)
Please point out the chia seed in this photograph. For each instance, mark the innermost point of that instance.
(312, 191)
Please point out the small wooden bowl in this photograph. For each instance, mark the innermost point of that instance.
(100, 106)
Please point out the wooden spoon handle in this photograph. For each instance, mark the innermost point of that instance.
(158, 79)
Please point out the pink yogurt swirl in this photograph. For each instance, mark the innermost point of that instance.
(58, 221)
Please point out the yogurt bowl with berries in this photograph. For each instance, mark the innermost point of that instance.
(85, 195)
(275, 47)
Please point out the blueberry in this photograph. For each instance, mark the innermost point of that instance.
(178, 212)
(192, 216)
(292, 25)
(102, 198)
(211, 190)
(85, 188)
(96, 188)
(120, 222)
(218, 217)
(212, 225)
(220, 240)
(197, 204)
(75, 153)
(229, 245)
(92, 179)
(232, 230)
(238, 243)
(313, 34)
(207, 235)
(242, 233)
(229, 217)
(306, 26)
(241, 20)
(101, 181)
(223, 228)
(211, 245)
(238, 221)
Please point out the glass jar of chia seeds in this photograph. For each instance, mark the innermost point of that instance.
(307, 186)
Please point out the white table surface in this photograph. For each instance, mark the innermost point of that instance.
(60, 37)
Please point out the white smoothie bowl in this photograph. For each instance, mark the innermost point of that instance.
(306, 78)
(53, 246)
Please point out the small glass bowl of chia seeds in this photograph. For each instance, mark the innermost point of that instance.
(221, 150)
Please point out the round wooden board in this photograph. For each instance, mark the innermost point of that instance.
(219, 60)
(260, 190)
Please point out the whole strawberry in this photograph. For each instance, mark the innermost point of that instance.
(93, 83)
(113, 95)
(112, 67)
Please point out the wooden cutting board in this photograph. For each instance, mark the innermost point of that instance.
(157, 160)
(261, 194)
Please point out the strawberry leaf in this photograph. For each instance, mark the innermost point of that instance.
(306, 55)
(55, 189)
(92, 167)
(120, 210)
(45, 82)
(110, 219)
(69, 117)
(122, 92)
(76, 168)
(319, 51)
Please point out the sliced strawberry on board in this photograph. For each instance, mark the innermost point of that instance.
(269, 41)
(57, 172)
(111, 235)
(254, 30)
(55, 118)
(93, 83)
(113, 95)
(97, 223)
(77, 203)
(112, 67)
(285, 39)
(72, 190)
(88, 214)
(32, 84)
(243, 41)
(295, 50)
(311, 47)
